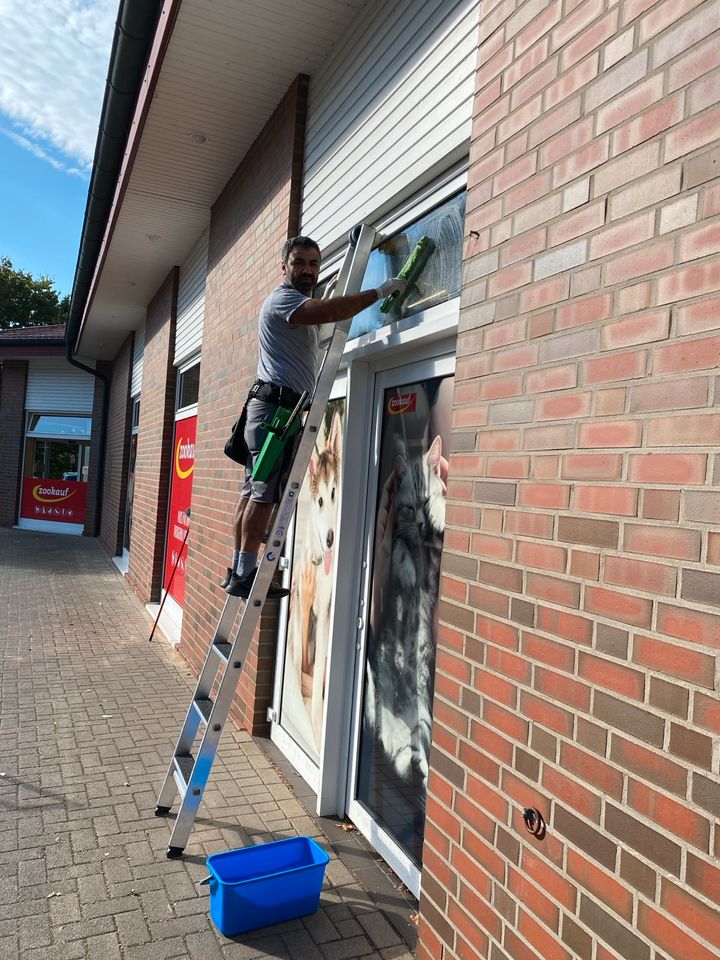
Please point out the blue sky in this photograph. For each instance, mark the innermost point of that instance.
(53, 63)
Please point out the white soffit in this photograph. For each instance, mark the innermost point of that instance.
(226, 68)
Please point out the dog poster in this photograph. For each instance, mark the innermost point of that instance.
(310, 612)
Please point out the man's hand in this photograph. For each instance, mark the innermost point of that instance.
(393, 285)
(330, 288)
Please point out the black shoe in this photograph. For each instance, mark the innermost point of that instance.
(241, 587)
(226, 579)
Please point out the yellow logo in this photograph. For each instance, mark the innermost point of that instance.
(184, 451)
(51, 494)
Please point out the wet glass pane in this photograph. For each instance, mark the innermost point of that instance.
(60, 426)
(439, 281)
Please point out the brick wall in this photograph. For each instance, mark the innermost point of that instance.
(117, 447)
(154, 452)
(577, 666)
(255, 214)
(12, 436)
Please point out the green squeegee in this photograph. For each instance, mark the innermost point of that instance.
(410, 271)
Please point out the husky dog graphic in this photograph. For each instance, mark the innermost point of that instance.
(311, 595)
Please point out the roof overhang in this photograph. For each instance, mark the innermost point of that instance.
(217, 70)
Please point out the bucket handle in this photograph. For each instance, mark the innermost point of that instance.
(204, 881)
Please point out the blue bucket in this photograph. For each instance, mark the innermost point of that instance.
(257, 886)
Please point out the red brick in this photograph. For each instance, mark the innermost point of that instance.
(590, 39)
(644, 328)
(610, 433)
(634, 298)
(618, 606)
(544, 495)
(508, 467)
(649, 764)
(542, 21)
(585, 565)
(514, 358)
(660, 118)
(526, 192)
(699, 317)
(552, 437)
(661, 504)
(691, 625)
(565, 593)
(693, 134)
(674, 661)
(713, 550)
(566, 142)
(700, 917)
(640, 262)
(546, 714)
(617, 501)
(538, 525)
(542, 293)
(633, 101)
(562, 689)
(514, 173)
(625, 234)
(499, 440)
(549, 652)
(681, 468)
(563, 407)
(662, 542)
(684, 283)
(600, 884)
(498, 548)
(700, 242)
(617, 366)
(674, 941)
(554, 121)
(570, 81)
(613, 676)
(694, 64)
(567, 626)
(548, 878)
(591, 466)
(586, 310)
(551, 378)
(641, 575)
(704, 877)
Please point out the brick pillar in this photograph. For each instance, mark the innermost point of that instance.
(154, 453)
(94, 500)
(578, 657)
(117, 448)
(254, 215)
(12, 437)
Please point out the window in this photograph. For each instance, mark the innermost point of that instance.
(439, 281)
(41, 425)
(189, 387)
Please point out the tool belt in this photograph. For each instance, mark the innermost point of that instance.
(271, 393)
(236, 448)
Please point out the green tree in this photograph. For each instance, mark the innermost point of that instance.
(26, 301)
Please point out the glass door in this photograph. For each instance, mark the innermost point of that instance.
(396, 641)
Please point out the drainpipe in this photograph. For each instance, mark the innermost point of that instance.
(134, 33)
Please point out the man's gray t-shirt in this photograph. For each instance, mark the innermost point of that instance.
(288, 351)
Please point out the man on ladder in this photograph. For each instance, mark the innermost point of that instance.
(287, 362)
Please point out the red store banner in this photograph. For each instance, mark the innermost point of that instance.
(57, 501)
(180, 499)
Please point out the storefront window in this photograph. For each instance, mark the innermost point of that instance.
(439, 281)
(42, 425)
(55, 471)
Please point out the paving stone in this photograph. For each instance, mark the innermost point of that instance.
(77, 804)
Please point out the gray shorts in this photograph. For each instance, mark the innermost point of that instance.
(270, 490)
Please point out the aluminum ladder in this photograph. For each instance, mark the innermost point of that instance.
(188, 774)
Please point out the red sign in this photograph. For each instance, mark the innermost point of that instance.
(180, 499)
(401, 403)
(59, 501)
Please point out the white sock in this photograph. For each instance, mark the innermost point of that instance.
(246, 562)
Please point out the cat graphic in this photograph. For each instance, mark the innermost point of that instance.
(401, 654)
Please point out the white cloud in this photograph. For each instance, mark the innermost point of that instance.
(53, 64)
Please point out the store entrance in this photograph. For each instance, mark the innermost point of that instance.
(405, 523)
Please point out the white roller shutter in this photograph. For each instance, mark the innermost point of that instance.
(391, 108)
(191, 301)
(137, 363)
(55, 386)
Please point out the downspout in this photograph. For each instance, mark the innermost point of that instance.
(134, 33)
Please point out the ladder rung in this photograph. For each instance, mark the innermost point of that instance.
(222, 648)
(204, 707)
(183, 771)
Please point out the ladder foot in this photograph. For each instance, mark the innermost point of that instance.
(174, 853)
(162, 811)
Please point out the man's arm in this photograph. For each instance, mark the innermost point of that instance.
(317, 312)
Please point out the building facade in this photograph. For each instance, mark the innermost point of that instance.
(500, 654)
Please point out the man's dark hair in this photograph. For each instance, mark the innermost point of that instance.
(306, 243)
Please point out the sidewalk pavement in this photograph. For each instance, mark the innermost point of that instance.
(89, 715)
